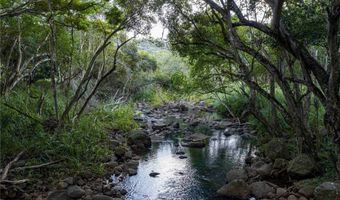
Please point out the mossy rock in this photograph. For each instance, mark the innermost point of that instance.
(276, 148)
(302, 166)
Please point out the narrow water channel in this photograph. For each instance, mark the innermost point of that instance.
(196, 177)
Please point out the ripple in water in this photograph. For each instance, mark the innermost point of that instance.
(195, 178)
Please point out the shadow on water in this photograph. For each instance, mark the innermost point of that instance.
(194, 178)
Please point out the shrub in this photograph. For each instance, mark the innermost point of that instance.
(123, 118)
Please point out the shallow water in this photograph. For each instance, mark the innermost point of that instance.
(196, 177)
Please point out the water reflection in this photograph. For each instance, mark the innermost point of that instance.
(197, 177)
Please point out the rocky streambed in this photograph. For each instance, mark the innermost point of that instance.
(183, 151)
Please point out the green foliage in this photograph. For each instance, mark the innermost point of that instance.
(123, 118)
(80, 144)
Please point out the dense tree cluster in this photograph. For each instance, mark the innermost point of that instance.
(286, 52)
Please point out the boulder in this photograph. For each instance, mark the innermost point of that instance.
(237, 174)
(301, 166)
(139, 141)
(132, 171)
(280, 192)
(235, 189)
(327, 190)
(132, 164)
(102, 197)
(58, 195)
(276, 148)
(292, 197)
(307, 191)
(75, 192)
(261, 189)
(262, 168)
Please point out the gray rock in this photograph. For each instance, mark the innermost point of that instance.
(280, 192)
(237, 174)
(307, 191)
(196, 140)
(132, 171)
(301, 166)
(262, 168)
(154, 174)
(292, 197)
(235, 189)
(58, 195)
(102, 197)
(139, 141)
(69, 180)
(75, 192)
(261, 189)
(327, 190)
(119, 189)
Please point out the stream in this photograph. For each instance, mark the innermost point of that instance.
(196, 177)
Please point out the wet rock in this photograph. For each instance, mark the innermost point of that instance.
(132, 171)
(154, 174)
(301, 166)
(132, 164)
(119, 190)
(75, 192)
(237, 174)
(276, 148)
(180, 153)
(139, 141)
(327, 190)
(261, 189)
(58, 195)
(235, 189)
(196, 140)
(102, 197)
(182, 157)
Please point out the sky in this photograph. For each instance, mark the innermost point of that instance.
(157, 31)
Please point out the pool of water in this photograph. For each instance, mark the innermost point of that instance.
(196, 177)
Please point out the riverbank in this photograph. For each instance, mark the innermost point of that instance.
(184, 150)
